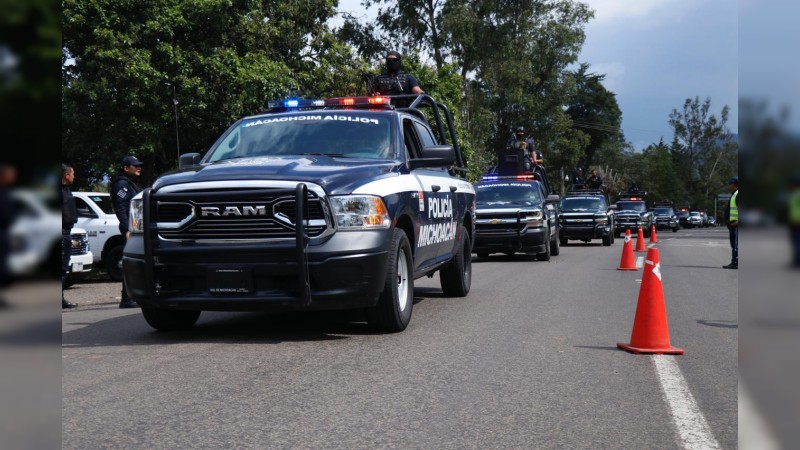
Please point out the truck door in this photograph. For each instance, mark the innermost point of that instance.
(441, 217)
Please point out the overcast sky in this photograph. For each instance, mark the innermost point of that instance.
(656, 54)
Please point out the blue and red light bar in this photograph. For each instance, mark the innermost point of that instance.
(296, 103)
(527, 177)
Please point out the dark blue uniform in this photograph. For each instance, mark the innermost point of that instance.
(122, 191)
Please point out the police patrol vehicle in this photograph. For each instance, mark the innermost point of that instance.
(327, 204)
(665, 216)
(586, 214)
(516, 214)
(632, 213)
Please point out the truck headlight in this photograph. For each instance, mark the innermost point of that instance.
(357, 212)
(534, 218)
(601, 219)
(136, 214)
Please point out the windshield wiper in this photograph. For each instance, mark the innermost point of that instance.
(338, 155)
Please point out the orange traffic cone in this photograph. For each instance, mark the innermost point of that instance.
(640, 241)
(628, 261)
(653, 236)
(650, 330)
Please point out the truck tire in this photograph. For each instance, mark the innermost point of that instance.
(166, 320)
(545, 255)
(456, 277)
(606, 240)
(563, 240)
(555, 248)
(112, 262)
(483, 255)
(392, 313)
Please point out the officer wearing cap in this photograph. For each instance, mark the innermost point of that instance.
(393, 81)
(123, 189)
(732, 219)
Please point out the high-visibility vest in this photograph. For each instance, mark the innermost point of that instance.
(794, 208)
(733, 215)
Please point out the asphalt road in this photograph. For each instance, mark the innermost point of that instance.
(527, 360)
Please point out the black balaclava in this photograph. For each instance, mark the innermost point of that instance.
(393, 66)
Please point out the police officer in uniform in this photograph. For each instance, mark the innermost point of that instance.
(69, 216)
(393, 81)
(732, 219)
(123, 190)
(528, 145)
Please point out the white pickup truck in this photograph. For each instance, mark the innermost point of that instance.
(35, 238)
(96, 216)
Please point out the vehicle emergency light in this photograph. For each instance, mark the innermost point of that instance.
(357, 101)
(296, 103)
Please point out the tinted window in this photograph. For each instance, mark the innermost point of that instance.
(667, 211)
(347, 134)
(424, 135)
(507, 193)
(582, 203)
(635, 206)
(104, 202)
(83, 209)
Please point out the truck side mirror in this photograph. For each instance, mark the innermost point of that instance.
(189, 160)
(434, 156)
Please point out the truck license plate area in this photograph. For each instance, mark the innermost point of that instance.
(230, 280)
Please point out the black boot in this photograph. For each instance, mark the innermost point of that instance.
(65, 304)
(128, 303)
(732, 265)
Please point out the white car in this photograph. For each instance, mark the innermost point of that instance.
(35, 239)
(96, 216)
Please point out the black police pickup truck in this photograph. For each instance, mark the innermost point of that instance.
(665, 216)
(334, 204)
(632, 213)
(515, 214)
(585, 215)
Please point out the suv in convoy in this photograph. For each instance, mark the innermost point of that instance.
(96, 216)
(514, 214)
(632, 213)
(326, 204)
(665, 216)
(585, 214)
(35, 238)
(694, 219)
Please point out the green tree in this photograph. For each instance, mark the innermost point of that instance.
(595, 112)
(126, 65)
(704, 152)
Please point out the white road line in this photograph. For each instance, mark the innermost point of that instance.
(639, 262)
(692, 427)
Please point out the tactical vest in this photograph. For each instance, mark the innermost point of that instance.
(390, 84)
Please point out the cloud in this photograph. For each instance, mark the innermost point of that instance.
(613, 10)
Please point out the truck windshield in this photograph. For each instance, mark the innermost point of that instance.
(340, 133)
(663, 211)
(582, 203)
(506, 193)
(631, 206)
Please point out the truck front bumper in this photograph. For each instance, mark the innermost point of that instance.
(531, 240)
(347, 271)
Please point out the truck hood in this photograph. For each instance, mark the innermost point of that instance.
(336, 175)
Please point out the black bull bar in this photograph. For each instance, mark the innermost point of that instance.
(300, 193)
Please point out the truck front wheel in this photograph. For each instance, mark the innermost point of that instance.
(166, 320)
(393, 311)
